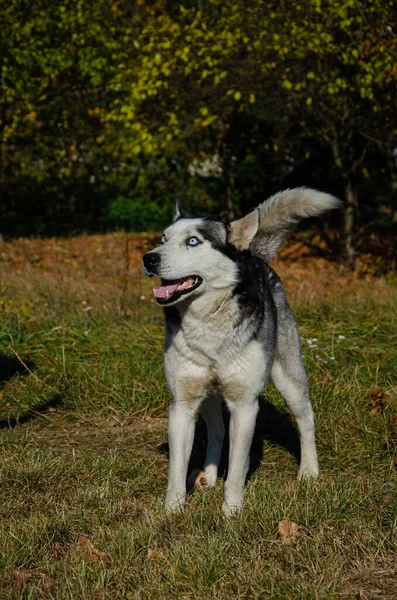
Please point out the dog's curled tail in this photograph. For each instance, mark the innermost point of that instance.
(264, 229)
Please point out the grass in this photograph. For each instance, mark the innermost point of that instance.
(83, 440)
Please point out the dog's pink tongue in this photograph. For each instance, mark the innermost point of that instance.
(161, 292)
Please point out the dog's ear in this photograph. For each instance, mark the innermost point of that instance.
(181, 212)
(243, 230)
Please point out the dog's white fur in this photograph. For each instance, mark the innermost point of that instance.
(214, 352)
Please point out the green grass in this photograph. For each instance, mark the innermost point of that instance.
(82, 443)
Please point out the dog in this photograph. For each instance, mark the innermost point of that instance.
(228, 329)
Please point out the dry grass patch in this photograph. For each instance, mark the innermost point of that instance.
(83, 455)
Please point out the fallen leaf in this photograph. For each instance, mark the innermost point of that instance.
(23, 576)
(377, 400)
(58, 550)
(288, 531)
(48, 584)
(84, 544)
(155, 555)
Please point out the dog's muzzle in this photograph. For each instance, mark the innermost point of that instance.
(150, 262)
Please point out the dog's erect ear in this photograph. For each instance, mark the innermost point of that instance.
(242, 231)
(181, 212)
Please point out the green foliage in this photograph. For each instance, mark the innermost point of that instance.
(137, 214)
(330, 66)
(86, 90)
(149, 191)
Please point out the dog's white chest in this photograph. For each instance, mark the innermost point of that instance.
(209, 338)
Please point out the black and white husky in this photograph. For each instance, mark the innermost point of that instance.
(229, 328)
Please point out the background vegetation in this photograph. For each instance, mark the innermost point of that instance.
(110, 111)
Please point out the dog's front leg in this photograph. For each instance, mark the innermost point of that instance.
(188, 383)
(241, 430)
(180, 439)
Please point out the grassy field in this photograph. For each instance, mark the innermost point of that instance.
(83, 439)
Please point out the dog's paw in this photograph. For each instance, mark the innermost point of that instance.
(306, 473)
(174, 502)
(231, 510)
(196, 480)
(211, 475)
(201, 479)
(234, 498)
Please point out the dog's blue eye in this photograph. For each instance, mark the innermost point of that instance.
(193, 241)
(163, 240)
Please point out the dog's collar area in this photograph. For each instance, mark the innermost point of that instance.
(170, 291)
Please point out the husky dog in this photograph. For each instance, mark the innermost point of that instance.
(229, 329)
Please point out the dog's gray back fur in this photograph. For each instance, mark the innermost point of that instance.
(230, 333)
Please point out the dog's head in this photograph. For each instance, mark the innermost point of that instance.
(195, 256)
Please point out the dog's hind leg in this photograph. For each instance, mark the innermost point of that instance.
(289, 377)
(211, 411)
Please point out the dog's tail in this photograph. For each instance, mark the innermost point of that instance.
(264, 229)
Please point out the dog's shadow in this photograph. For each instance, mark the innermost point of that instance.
(11, 367)
(273, 425)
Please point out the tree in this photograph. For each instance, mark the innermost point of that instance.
(57, 59)
(340, 74)
(319, 66)
(181, 92)
(97, 98)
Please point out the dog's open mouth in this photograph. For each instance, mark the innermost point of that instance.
(170, 291)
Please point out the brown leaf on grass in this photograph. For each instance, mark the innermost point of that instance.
(196, 480)
(23, 576)
(155, 555)
(288, 531)
(84, 545)
(48, 584)
(377, 400)
(58, 550)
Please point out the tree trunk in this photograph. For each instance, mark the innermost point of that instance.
(350, 210)
(393, 199)
(228, 179)
(229, 202)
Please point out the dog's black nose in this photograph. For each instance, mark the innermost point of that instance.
(151, 260)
